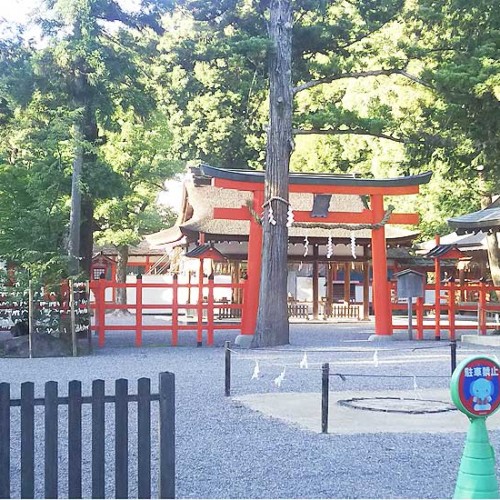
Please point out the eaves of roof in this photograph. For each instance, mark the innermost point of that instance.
(485, 219)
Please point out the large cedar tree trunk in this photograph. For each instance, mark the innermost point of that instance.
(121, 274)
(81, 233)
(272, 319)
(86, 234)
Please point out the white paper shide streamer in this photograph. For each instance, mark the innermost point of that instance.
(329, 247)
(306, 246)
(279, 379)
(303, 363)
(353, 246)
(256, 371)
(289, 217)
(270, 215)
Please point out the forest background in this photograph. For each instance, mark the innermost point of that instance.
(105, 100)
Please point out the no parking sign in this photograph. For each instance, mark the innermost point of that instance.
(475, 386)
(475, 390)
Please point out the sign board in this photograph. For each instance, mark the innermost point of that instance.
(410, 284)
(475, 386)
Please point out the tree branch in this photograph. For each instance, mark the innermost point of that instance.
(361, 74)
(349, 131)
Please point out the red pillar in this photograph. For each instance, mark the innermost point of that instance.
(175, 309)
(437, 293)
(100, 309)
(420, 318)
(252, 285)
(199, 328)
(210, 311)
(380, 292)
(138, 311)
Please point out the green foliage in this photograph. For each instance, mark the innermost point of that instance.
(213, 77)
(215, 56)
(92, 76)
(458, 44)
(141, 158)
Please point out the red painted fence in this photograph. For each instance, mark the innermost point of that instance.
(211, 315)
(473, 299)
(478, 300)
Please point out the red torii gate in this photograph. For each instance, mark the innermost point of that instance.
(376, 189)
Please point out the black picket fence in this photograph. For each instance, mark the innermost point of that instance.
(100, 438)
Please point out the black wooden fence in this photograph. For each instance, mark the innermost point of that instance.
(99, 435)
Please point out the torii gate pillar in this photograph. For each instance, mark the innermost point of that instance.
(254, 264)
(380, 291)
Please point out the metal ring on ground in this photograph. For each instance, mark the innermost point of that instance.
(412, 406)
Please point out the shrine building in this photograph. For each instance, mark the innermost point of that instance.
(340, 239)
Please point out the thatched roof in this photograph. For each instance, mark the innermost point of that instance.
(143, 248)
(200, 199)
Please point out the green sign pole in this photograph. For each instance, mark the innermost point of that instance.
(475, 390)
(476, 476)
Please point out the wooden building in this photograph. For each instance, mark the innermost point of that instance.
(333, 238)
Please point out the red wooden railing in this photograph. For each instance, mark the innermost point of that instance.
(213, 315)
(206, 303)
(478, 299)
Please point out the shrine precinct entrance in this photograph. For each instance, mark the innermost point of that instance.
(320, 184)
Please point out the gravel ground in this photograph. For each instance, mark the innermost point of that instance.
(225, 450)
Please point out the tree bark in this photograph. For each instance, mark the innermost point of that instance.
(82, 205)
(121, 273)
(86, 234)
(272, 318)
(76, 196)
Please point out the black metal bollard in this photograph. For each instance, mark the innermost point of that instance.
(325, 388)
(453, 355)
(227, 346)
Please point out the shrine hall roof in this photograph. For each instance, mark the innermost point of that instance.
(482, 220)
(200, 199)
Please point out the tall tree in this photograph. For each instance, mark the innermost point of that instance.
(272, 318)
(140, 155)
(309, 44)
(458, 44)
(95, 67)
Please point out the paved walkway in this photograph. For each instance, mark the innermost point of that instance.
(304, 411)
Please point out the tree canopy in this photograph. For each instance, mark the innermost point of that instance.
(83, 102)
(115, 100)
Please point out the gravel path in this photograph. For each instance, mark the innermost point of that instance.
(225, 450)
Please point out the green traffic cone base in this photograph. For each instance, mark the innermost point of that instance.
(476, 476)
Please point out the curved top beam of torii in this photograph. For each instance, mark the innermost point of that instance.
(253, 180)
